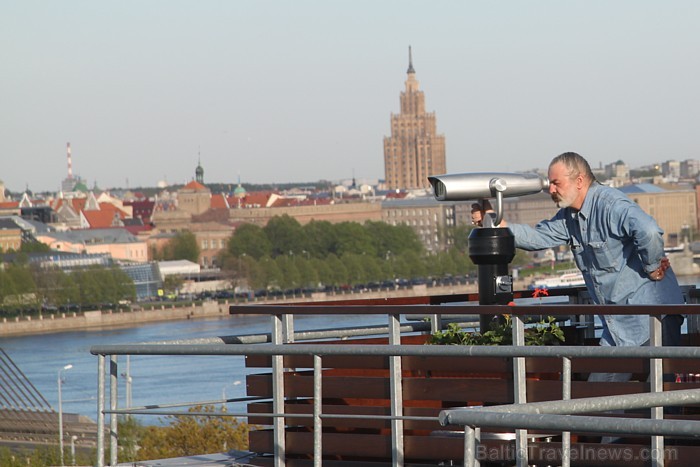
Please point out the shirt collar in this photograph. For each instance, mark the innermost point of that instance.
(585, 211)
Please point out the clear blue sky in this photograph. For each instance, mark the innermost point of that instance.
(303, 90)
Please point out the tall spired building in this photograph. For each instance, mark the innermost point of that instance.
(414, 150)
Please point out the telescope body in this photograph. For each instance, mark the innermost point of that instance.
(483, 185)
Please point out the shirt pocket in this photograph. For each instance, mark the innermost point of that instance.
(602, 256)
(579, 258)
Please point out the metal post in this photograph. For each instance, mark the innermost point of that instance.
(100, 411)
(60, 412)
(396, 388)
(566, 395)
(288, 328)
(318, 425)
(520, 389)
(72, 449)
(113, 404)
(128, 382)
(60, 419)
(278, 393)
(656, 385)
(435, 323)
(469, 447)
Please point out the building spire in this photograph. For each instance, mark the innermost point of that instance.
(410, 61)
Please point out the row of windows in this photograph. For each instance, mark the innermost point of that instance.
(215, 244)
(13, 245)
(406, 212)
(136, 253)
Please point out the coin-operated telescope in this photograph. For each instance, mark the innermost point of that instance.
(490, 248)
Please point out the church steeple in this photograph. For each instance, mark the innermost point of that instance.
(410, 61)
(199, 171)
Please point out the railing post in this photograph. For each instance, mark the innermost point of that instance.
(519, 390)
(396, 389)
(278, 394)
(100, 411)
(113, 403)
(566, 395)
(656, 378)
(469, 447)
(318, 423)
(435, 323)
(288, 328)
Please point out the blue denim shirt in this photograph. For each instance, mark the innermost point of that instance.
(615, 245)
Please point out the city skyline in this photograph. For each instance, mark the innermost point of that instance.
(276, 92)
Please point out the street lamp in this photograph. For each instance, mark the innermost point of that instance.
(60, 411)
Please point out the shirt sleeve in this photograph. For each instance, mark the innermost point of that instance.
(631, 221)
(546, 234)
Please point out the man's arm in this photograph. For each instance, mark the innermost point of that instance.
(647, 237)
(546, 234)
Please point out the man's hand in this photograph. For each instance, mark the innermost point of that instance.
(660, 272)
(479, 211)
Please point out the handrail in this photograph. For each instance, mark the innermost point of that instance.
(283, 333)
(554, 351)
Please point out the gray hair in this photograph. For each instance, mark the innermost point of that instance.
(576, 164)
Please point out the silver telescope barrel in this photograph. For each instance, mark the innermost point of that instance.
(483, 185)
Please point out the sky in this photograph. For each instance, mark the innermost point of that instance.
(298, 91)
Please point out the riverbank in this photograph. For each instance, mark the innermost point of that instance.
(104, 319)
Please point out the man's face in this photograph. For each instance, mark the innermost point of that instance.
(562, 188)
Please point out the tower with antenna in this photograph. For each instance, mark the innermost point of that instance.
(68, 184)
(415, 149)
(70, 162)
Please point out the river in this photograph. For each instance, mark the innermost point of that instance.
(155, 379)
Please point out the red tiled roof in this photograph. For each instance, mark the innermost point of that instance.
(104, 217)
(255, 199)
(9, 205)
(113, 209)
(218, 202)
(78, 203)
(135, 229)
(196, 186)
(99, 219)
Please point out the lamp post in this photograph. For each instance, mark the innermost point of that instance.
(60, 411)
(72, 448)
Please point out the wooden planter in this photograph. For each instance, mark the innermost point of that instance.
(360, 386)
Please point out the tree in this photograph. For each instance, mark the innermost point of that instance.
(34, 247)
(270, 274)
(124, 288)
(354, 238)
(392, 239)
(7, 285)
(188, 435)
(290, 277)
(355, 267)
(184, 246)
(321, 238)
(459, 236)
(409, 265)
(285, 235)
(250, 240)
(308, 274)
(338, 273)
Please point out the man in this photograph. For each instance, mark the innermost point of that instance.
(616, 245)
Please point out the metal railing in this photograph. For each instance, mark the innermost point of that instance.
(283, 333)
